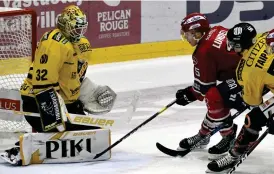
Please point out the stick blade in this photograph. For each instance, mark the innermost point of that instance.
(96, 156)
(172, 152)
(166, 150)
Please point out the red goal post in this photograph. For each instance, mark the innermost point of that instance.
(10, 12)
(18, 32)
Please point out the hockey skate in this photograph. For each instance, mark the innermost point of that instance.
(12, 156)
(221, 149)
(187, 143)
(223, 164)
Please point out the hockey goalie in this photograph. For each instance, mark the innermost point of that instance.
(55, 86)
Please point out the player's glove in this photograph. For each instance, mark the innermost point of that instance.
(185, 96)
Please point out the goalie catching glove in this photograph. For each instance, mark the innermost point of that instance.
(96, 99)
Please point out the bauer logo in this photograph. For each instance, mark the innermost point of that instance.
(92, 121)
(22, 23)
(116, 23)
(67, 148)
(9, 104)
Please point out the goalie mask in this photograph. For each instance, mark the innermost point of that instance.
(73, 23)
(242, 36)
(270, 42)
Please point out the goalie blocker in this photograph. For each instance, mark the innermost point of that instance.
(61, 147)
(52, 110)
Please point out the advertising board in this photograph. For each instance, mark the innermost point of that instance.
(111, 23)
(129, 30)
(161, 19)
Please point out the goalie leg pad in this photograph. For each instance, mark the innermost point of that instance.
(52, 110)
(64, 147)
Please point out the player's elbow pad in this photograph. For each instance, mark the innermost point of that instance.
(96, 99)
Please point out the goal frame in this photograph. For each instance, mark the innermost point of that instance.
(9, 13)
(16, 11)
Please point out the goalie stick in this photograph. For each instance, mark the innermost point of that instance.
(176, 153)
(135, 129)
(88, 120)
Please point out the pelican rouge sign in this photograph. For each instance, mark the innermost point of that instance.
(116, 21)
(111, 23)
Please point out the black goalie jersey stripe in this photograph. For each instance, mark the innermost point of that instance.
(46, 86)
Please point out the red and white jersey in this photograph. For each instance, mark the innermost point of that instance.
(212, 61)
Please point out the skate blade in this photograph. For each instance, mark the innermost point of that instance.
(201, 148)
(212, 157)
(6, 159)
(222, 172)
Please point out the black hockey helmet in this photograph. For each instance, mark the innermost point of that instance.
(241, 36)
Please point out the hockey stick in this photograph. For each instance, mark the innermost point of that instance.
(135, 129)
(248, 152)
(87, 120)
(176, 153)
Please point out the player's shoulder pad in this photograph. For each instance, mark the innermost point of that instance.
(58, 36)
(46, 36)
(55, 40)
(83, 45)
(54, 35)
(208, 39)
(262, 35)
(260, 38)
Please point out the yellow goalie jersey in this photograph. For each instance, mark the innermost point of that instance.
(256, 71)
(58, 63)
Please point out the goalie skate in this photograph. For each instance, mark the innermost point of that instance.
(12, 156)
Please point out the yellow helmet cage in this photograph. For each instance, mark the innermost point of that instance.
(72, 22)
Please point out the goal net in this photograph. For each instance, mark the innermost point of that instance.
(17, 45)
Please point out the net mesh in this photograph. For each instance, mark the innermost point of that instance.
(15, 58)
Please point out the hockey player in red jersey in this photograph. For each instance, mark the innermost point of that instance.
(213, 61)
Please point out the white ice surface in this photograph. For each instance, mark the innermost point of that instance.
(138, 153)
